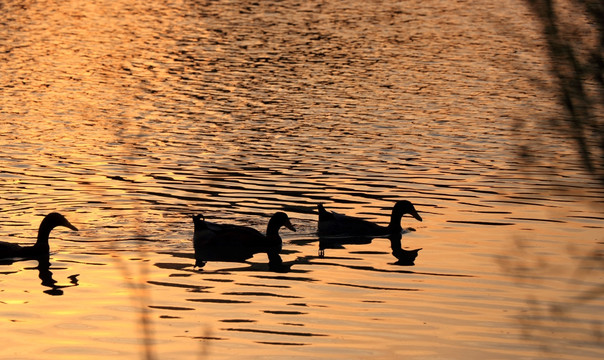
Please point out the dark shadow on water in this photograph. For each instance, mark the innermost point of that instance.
(46, 275)
(322, 261)
(403, 257)
(372, 287)
(284, 267)
(273, 332)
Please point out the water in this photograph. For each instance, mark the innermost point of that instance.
(130, 116)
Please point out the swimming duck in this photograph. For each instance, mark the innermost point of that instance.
(41, 247)
(225, 242)
(334, 224)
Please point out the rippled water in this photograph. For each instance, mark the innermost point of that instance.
(130, 116)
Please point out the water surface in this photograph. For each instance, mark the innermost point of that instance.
(129, 116)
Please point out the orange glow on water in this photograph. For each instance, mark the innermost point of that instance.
(129, 117)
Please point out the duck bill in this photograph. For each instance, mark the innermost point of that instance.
(416, 215)
(68, 225)
(290, 226)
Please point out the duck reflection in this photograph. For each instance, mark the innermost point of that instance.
(46, 275)
(403, 257)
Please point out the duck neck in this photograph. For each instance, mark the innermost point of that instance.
(274, 242)
(43, 234)
(395, 223)
(272, 231)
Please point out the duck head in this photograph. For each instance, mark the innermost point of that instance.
(55, 219)
(405, 207)
(50, 222)
(324, 215)
(278, 220)
(198, 220)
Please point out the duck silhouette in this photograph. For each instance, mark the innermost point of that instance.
(41, 247)
(334, 224)
(226, 242)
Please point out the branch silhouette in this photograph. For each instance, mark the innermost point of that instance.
(576, 51)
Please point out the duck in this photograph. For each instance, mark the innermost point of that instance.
(226, 242)
(334, 224)
(41, 247)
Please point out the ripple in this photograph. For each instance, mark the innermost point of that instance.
(273, 332)
(131, 116)
(173, 308)
(220, 301)
(283, 312)
(480, 223)
(374, 287)
(258, 293)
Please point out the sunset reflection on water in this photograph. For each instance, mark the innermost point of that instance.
(129, 117)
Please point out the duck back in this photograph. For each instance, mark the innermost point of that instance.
(225, 242)
(335, 224)
(10, 250)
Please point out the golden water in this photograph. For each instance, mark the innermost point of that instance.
(130, 116)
